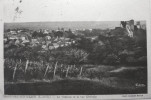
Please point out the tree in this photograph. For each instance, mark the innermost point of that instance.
(76, 56)
(85, 44)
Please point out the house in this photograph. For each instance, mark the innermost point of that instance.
(100, 43)
(92, 38)
(66, 44)
(62, 45)
(5, 40)
(56, 45)
(26, 41)
(19, 31)
(13, 37)
(13, 32)
(33, 45)
(69, 43)
(48, 43)
(56, 39)
(67, 39)
(34, 41)
(45, 32)
(48, 37)
(44, 47)
(23, 38)
(62, 38)
(59, 42)
(51, 47)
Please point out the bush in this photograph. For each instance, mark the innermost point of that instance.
(97, 72)
(111, 59)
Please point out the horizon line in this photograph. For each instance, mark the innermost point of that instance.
(74, 21)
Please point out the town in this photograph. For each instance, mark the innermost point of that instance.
(53, 39)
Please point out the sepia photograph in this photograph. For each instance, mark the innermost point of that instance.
(53, 47)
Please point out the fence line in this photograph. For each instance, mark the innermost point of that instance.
(29, 66)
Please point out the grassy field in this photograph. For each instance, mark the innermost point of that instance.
(69, 87)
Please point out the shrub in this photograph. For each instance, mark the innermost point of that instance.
(111, 59)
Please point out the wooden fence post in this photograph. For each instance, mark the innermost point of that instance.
(55, 69)
(14, 71)
(67, 71)
(81, 71)
(27, 62)
(46, 70)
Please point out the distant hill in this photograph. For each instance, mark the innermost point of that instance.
(66, 25)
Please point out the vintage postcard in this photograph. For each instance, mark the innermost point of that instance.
(75, 49)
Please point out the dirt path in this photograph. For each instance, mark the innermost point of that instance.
(126, 68)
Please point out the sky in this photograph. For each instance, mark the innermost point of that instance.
(75, 10)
